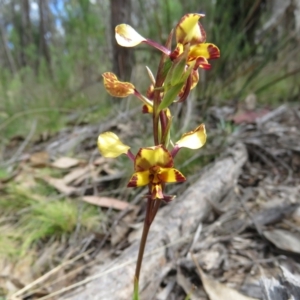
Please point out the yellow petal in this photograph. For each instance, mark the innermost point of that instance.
(153, 156)
(206, 50)
(117, 88)
(170, 175)
(139, 179)
(188, 30)
(126, 36)
(110, 145)
(194, 139)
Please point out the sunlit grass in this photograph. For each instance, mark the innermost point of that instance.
(28, 218)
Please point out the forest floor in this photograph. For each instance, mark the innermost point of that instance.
(251, 233)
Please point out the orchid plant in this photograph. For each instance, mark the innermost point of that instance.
(176, 76)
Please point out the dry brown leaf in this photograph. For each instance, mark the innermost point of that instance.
(92, 173)
(107, 202)
(65, 163)
(59, 185)
(218, 291)
(248, 116)
(75, 174)
(101, 160)
(39, 159)
(123, 227)
(284, 239)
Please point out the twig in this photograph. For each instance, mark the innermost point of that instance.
(195, 239)
(275, 113)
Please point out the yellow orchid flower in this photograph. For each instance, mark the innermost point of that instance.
(190, 32)
(154, 166)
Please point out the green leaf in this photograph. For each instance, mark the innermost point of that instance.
(179, 67)
(170, 96)
(166, 67)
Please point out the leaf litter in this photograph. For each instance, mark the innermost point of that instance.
(246, 249)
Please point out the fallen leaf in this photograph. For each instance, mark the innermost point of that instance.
(101, 160)
(218, 291)
(123, 227)
(107, 202)
(59, 184)
(39, 159)
(75, 174)
(248, 116)
(65, 163)
(284, 239)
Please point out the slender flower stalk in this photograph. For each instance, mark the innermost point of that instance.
(177, 74)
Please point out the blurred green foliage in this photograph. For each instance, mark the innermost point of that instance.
(77, 37)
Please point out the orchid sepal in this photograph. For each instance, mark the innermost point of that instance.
(194, 139)
(127, 36)
(111, 146)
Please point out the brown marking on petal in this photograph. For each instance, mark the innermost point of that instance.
(140, 161)
(150, 92)
(179, 177)
(186, 90)
(133, 181)
(201, 127)
(145, 109)
(170, 162)
(202, 62)
(203, 33)
(175, 53)
(213, 51)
